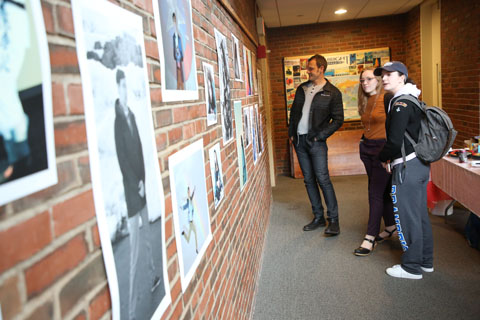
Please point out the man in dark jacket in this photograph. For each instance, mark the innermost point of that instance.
(130, 159)
(317, 112)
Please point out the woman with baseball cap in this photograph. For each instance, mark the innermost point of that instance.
(409, 174)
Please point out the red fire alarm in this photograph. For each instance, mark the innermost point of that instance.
(261, 52)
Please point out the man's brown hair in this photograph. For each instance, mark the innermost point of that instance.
(320, 60)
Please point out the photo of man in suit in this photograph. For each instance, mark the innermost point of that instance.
(130, 159)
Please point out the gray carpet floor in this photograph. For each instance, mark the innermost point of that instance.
(306, 275)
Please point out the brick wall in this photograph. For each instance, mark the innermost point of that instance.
(461, 66)
(51, 264)
(399, 32)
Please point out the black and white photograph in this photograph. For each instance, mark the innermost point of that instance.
(27, 151)
(216, 173)
(237, 62)
(210, 97)
(176, 47)
(241, 157)
(257, 131)
(126, 180)
(190, 208)
(246, 125)
(224, 78)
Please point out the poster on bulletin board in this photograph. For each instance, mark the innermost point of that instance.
(342, 71)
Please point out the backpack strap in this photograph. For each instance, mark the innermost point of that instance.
(407, 135)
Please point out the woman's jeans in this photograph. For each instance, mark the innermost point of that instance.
(313, 160)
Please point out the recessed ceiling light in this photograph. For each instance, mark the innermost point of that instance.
(340, 11)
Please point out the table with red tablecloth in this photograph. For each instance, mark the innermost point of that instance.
(455, 180)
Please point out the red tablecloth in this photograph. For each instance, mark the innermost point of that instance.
(435, 194)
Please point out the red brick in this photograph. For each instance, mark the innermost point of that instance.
(47, 10)
(29, 237)
(75, 98)
(73, 212)
(151, 49)
(156, 95)
(43, 312)
(162, 141)
(63, 59)
(65, 20)
(58, 100)
(100, 304)
(46, 271)
(164, 118)
(10, 299)
(70, 137)
(175, 136)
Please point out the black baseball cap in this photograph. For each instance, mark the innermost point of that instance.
(392, 66)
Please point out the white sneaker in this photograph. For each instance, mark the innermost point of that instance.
(424, 269)
(398, 272)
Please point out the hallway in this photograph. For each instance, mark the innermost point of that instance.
(308, 276)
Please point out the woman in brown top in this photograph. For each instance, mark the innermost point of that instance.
(372, 112)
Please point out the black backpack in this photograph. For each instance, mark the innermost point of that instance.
(436, 134)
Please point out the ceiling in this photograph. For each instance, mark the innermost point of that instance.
(282, 13)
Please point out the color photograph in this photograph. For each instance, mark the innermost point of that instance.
(27, 151)
(242, 162)
(216, 173)
(173, 21)
(190, 208)
(224, 78)
(210, 97)
(126, 180)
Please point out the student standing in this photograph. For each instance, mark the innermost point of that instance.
(317, 112)
(373, 116)
(409, 175)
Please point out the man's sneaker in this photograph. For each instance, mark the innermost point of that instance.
(398, 272)
(425, 269)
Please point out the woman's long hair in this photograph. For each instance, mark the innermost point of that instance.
(362, 96)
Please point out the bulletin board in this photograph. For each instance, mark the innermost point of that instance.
(342, 71)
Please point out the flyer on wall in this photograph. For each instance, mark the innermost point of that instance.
(190, 208)
(176, 47)
(27, 147)
(126, 180)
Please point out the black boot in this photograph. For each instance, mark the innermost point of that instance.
(333, 228)
(316, 222)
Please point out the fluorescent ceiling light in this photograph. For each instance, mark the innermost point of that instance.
(340, 11)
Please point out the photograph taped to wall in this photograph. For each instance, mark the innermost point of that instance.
(210, 97)
(176, 47)
(126, 180)
(254, 134)
(27, 147)
(237, 63)
(190, 208)
(242, 162)
(216, 173)
(342, 71)
(224, 79)
(246, 126)
(257, 131)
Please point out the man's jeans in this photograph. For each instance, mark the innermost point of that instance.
(312, 157)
